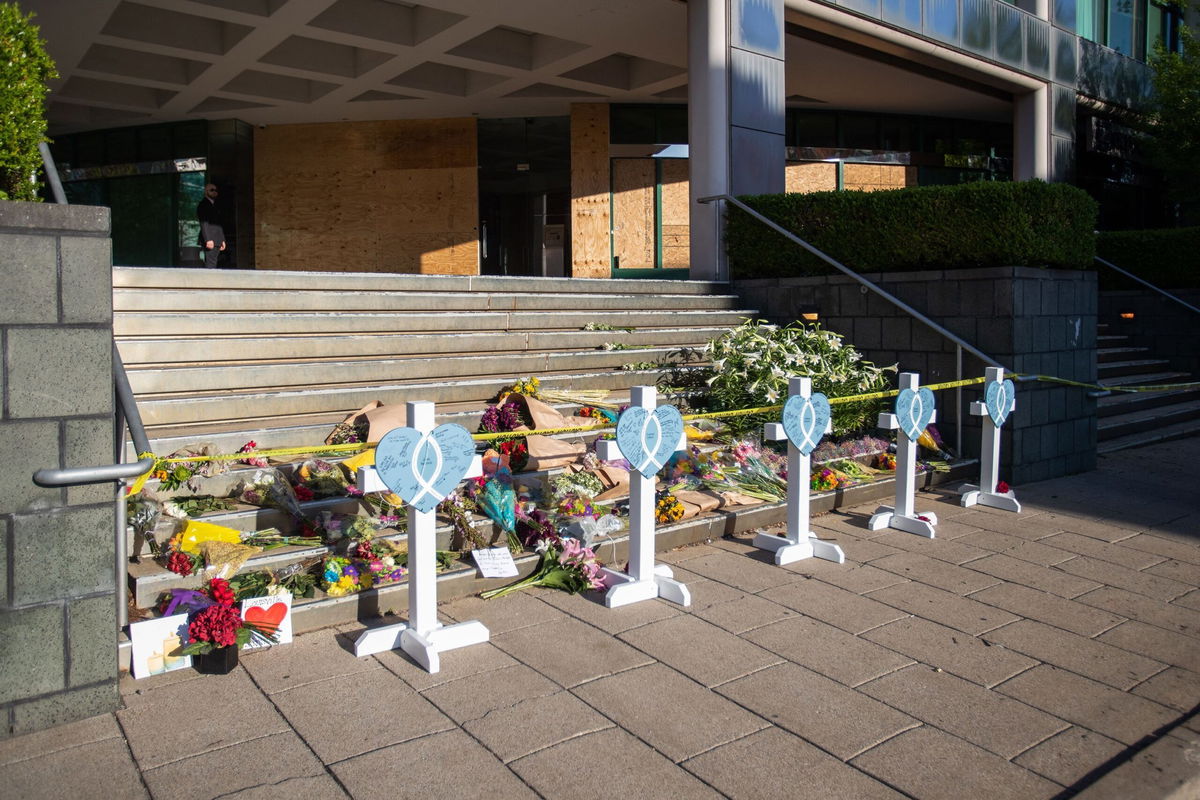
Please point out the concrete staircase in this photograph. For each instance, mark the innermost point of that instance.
(1134, 419)
(280, 357)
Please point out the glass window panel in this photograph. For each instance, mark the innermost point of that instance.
(672, 125)
(633, 125)
(904, 13)
(868, 7)
(941, 20)
(154, 143)
(1037, 46)
(816, 129)
(120, 146)
(89, 149)
(1089, 19)
(859, 131)
(1065, 59)
(896, 133)
(1064, 12)
(977, 26)
(1010, 43)
(1064, 111)
(190, 140)
(1124, 26)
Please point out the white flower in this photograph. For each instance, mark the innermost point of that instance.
(772, 395)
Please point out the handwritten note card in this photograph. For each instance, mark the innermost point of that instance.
(495, 562)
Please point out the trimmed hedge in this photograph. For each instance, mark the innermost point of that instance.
(984, 224)
(24, 70)
(1167, 258)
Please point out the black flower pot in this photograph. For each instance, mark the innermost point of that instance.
(218, 661)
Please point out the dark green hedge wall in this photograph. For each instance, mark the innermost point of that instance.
(986, 224)
(1167, 258)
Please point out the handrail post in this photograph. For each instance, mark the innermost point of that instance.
(958, 404)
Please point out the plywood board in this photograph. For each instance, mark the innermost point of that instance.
(590, 257)
(805, 177)
(676, 245)
(366, 196)
(633, 212)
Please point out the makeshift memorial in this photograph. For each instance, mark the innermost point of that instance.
(342, 576)
(268, 488)
(217, 631)
(457, 507)
(915, 410)
(251, 459)
(566, 565)
(647, 437)
(422, 464)
(805, 419)
(999, 401)
(884, 461)
(497, 499)
(272, 614)
(667, 510)
(322, 478)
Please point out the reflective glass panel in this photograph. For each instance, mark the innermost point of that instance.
(868, 7)
(1124, 26)
(905, 13)
(1064, 14)
(941, 20)
(1010, 46)
(1037, 46)
(977, 25)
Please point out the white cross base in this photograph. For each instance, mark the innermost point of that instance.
(422, 637)
(645, 579)
(901, 516)
(800, 542)
(985, 493)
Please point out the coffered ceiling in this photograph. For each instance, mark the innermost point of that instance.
(126, 62)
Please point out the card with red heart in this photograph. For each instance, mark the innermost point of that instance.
(271, 614)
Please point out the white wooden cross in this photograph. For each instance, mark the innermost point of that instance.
(985, 494)
(422, 637)
(800, 543)
(917, 407)
(644, 580)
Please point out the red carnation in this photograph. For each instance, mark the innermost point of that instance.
(220, 591)
(180, 563)
(218, 624)
(303, 493)
(1001, 487)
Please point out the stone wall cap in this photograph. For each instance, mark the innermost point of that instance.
(54, 217)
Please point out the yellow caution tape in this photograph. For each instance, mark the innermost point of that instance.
(368, 456)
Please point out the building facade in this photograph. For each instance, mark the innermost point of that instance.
(571, 138)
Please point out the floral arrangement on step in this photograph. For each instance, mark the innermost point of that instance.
(215, 620)
(565, 565)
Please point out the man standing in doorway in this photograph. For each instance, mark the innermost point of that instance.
(212, 234)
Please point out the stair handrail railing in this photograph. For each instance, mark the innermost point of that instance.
(126, 416)
(1148, 284)
(960, 344)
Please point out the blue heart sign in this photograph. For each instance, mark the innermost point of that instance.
(805, 420)
(914, 411)
(423, 468)
(1000, 397)
(647, 439)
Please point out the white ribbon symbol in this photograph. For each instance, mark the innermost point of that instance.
(425, 486)
(650, 451)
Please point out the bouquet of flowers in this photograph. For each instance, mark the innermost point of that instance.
(268, 488)
(668, 510)
(321, 478)
(254, 461)
(342, 576)
(220, 624)
(566, 565)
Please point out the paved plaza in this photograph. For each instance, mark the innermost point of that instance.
(1055, 653)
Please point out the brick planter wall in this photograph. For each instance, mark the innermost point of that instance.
(1030, 320)
(1170, 330)
(58, 594)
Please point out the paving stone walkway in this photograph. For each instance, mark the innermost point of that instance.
(1050, 654)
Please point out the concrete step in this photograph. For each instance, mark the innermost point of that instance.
(1148, 379)
(1117, 369)
(1128, 402)
(1146, 420)
(258, 408)
(1162, 433)
(156, 278)
(151, 382)
(171, 324)
(246, 349)
(1108, 355)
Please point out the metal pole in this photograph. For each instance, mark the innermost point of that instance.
(56, 189)
(958, 404)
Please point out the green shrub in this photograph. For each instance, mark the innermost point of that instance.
(1166, 258)
(24, 69)
(983, 224)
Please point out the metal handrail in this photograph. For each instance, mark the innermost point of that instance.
(905, 307)
(1163, 292)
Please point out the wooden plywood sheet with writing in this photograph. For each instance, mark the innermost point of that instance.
(633, 212)
(802, 178)
(676, 246)
(590, 257)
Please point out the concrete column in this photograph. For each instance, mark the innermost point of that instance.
(1031, 131)
(736, 114)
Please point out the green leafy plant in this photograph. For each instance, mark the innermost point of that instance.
(24, 69)
(751, 366)
(1173, 144)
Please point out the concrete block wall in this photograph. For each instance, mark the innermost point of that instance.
(1168, 329)
(58, 591)
(1030, 320)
